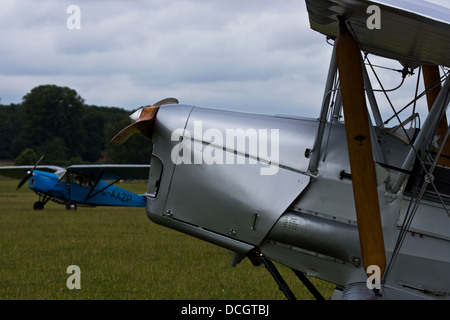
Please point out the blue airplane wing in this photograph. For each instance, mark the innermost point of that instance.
(112, 171)
(18, 172)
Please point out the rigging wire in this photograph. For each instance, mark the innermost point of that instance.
(405, 71)
(424, 92)
(416, 199)
(396, 114)
(408, 217)
(414, 204)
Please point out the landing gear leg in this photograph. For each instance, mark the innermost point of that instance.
(308, 284)
(257, 258)
(39, 205)
(278, 278)
(71, 205)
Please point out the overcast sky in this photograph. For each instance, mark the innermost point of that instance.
(249, 55)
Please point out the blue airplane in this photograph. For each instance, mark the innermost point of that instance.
(89, 185)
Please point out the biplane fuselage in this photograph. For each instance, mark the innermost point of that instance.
(344, 197)
(305, 220)
(347, 200)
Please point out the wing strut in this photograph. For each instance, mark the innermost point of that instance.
(360, 150)
(92, 194)
(431, 79)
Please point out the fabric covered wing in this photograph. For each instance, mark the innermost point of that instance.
(414, 32)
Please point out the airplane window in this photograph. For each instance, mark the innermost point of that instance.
(79, 179)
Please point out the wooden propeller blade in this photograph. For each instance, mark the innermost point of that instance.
(360, 150)
(166, 101)
(144, 124)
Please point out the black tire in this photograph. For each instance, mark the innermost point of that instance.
(38, 205)
(71, 206)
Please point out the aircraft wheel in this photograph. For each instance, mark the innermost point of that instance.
(71, 206)
(38, 205)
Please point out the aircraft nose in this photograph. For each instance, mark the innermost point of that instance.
(29, 174)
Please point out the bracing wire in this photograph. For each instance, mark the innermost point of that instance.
(410, 213)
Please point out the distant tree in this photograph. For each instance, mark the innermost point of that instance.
(94, 137)
(27, 157)
(54, 121)
(50, 112)
(136, 149)
(9, 129)
(56, 151)
(75, 160)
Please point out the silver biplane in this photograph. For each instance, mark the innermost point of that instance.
(345, 197)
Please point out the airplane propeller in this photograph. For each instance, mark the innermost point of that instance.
(144, 119)
(28, 174)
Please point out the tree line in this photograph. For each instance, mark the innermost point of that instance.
(55, 122)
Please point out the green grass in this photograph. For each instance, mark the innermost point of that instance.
(122, 255)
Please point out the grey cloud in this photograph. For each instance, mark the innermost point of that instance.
(230, 54)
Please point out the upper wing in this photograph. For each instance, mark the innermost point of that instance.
(112, 171)
(411, 31)
(19, 172)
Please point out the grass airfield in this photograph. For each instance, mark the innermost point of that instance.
(121, 254)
